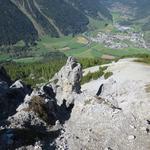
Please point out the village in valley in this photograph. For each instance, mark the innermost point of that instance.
(123, 38)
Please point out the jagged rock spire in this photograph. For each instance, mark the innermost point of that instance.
(67, 80)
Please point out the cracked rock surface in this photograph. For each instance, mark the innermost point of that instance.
(63, 115)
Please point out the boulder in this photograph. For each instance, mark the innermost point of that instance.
(18, 84)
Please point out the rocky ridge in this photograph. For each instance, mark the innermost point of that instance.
(38, 114)
(65, 116)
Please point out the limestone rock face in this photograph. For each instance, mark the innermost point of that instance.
(17, 84)
(67, 81)
(116, 118)
(26, 119)
(29, 115)
(34, 119)
(38, 109)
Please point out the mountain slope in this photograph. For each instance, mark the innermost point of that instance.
(14, 25)
(93, 8)
(61, 17)
(29, 19)
(62, 114)
(138, 10)
(53, 17)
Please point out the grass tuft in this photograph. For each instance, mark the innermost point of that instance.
(107, 75)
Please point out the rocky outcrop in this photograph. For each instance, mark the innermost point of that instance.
(117, 117)
(38, 111)
(67, 81)
(35, 120)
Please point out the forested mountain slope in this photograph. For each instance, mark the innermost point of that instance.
(28, 19)
(53, 17)
(58, 17)
(94, 8)
(14, 25)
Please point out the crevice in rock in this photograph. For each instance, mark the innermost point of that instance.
(64, 112)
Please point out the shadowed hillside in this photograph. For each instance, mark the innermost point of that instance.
(14, 25)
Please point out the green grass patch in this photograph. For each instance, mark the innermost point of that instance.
(28, 60)
(4, 57)
(143, 58)
(93, 76)
(107, 75)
